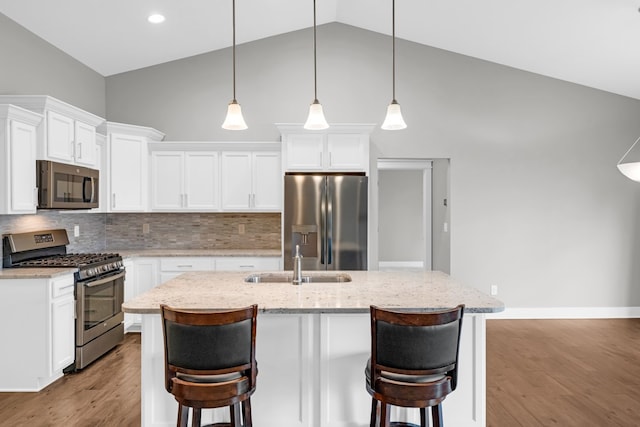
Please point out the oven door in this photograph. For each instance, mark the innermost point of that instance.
(98, 306)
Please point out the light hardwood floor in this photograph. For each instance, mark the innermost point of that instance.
(539, 373)
(563, 373)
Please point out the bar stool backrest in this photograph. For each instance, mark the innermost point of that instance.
(412, 343)
(209, 342)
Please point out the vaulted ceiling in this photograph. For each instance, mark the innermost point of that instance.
(595, 43)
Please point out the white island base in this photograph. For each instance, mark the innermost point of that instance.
(311, 374)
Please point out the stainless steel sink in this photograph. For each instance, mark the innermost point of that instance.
(306, 278)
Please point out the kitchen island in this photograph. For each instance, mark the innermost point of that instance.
(313, 341)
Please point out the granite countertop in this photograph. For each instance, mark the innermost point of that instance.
(133, 253)
(34, 273)
(421, 291)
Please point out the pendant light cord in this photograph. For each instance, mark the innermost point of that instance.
(393, 41)
(315, 65)
(234, 49)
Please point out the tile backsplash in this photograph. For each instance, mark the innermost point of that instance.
(103, 232)
(193, 231)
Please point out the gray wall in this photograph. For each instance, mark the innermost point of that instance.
(537, 205)
(440, 239)
(32, 66)
(400, 215)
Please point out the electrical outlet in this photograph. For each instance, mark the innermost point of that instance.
(145, 228)
(241, 229)
(494, 290)
(76, 231)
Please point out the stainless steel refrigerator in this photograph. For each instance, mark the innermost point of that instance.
(326, 215)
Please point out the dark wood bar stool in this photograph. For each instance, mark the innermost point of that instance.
(414, 362)
(210, 361)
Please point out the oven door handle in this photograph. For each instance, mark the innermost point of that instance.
(103, 280)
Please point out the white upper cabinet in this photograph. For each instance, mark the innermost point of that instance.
(66, 135)
(251, 181)
(128, 158)
(341, 148)
(18, 193)
(185, 181)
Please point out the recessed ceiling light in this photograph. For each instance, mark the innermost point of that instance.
(156, 18)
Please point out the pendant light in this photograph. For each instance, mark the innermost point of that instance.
(315, 120)
(234, 119)
(394, 120)
(631, 168)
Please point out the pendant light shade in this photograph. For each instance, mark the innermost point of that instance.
(629, 164)
(315, 120)
(393, 120)
(234, 119)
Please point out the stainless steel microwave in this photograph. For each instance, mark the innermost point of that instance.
(62, 186)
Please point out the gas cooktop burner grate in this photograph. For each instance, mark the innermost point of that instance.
(69, 260)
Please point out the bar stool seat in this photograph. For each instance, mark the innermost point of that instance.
(413, 364)
(210, 362)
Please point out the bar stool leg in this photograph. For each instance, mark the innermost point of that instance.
(424, 421)
(385, 415)
(436, 415)
(235, 415)
(374, 412)
(196, 416)
(246, 413)
(183, 415)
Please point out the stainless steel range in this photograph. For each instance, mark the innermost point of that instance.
(99, 287)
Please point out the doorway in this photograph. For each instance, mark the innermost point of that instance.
(404, 214)
(412, 214)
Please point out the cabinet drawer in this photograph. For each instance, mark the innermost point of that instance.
(187, 264)
(247, 263)
(62, 286)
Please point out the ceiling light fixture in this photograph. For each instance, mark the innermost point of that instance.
(234, 119)
(393, 120)
(631, 167)
(156, 18)
(315, 120)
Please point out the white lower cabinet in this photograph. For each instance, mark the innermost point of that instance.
(171, 267)
(247, 263)
(63, 334)
(142, 275)
(35, 353)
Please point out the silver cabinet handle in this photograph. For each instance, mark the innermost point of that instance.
(34, 198)
(79, 146)
(330, 159)
(113, 200)
(186, 201)
(249, 199)
(185, 266)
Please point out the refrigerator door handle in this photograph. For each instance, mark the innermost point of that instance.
(323, 220)
(329, 227)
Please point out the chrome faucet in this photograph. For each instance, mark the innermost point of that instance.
(297, 267)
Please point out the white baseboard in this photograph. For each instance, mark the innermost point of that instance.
(566, 313)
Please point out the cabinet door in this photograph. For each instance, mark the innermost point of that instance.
(305, 152)
(128, 173)
(167, 171)
(347, 152)
(60, 138)
(267, 181)
(201, 181)
(63, 336)
(145, 277)
(22, 161)
(85, 144)
(236, 180)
